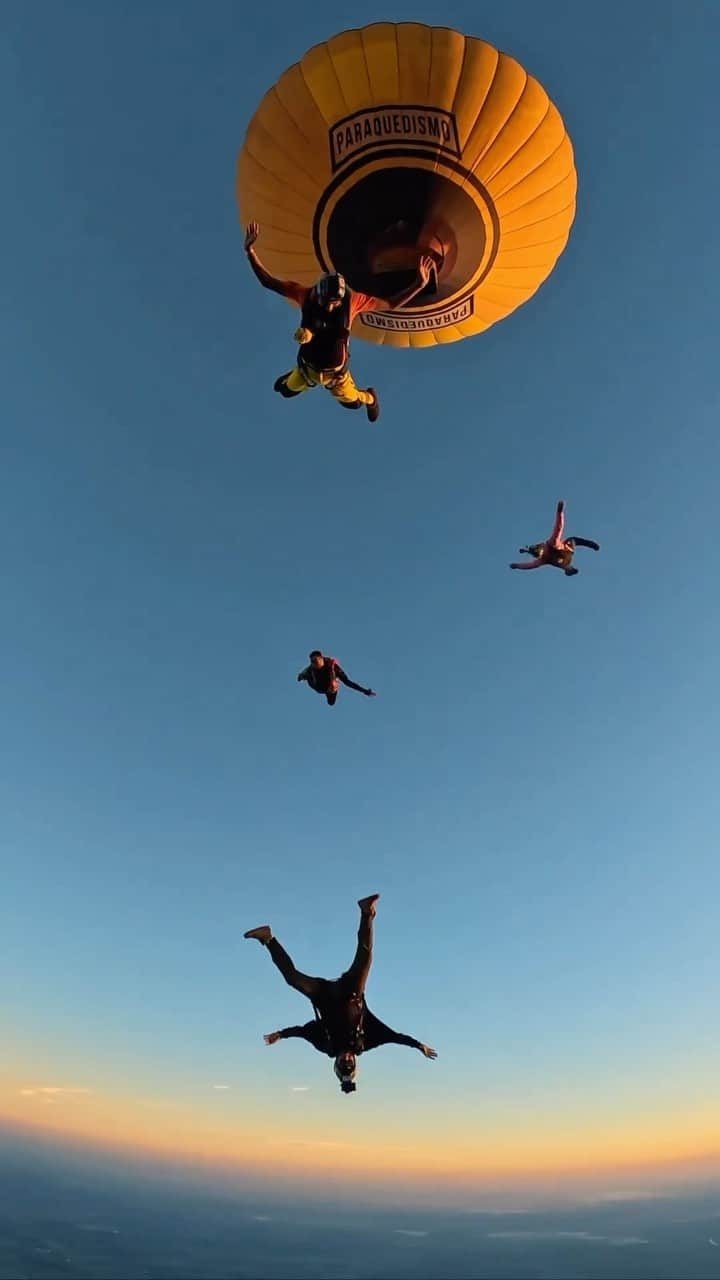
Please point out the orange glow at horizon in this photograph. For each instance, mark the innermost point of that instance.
(259, 1143)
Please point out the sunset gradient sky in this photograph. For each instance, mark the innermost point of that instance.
(535, 790)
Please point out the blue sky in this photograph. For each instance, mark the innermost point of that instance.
(534, 791)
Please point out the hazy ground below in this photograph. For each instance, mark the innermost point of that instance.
(58, 1221)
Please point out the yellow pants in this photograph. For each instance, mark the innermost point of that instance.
(340, 385)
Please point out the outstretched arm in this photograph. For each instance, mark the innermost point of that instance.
(528, 564)
(397, 1038)
(368, 302)
(425, 270)
(350, 684)
(286, 288)
(287, 1033)
(303, 675)
(379, 1033)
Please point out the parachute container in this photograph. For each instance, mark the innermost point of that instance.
(395, 140)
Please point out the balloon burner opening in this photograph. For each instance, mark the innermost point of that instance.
(386, 220)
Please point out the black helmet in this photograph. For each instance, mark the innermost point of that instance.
(330, 288)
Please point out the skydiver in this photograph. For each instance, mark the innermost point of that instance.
(343, 1026)
(329, 308)
(556, 551)
(324, 675)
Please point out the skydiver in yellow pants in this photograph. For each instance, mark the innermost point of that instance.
(329, 310)
(339, 383)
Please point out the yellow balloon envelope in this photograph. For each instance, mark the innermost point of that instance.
(401, 139)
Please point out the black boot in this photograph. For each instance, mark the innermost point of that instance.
(373, 410)
(282, 387)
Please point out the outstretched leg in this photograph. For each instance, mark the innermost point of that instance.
(355, 978)
(586, 542)
(344, 390)
(299, 981)
(556, 536)
(331, 697)
(292, 384)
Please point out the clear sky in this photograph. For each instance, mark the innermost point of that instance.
(535, 789)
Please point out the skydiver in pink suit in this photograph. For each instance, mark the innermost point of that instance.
(557, 551)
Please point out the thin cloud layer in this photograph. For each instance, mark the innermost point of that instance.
(620, 1196)
(51, 1090)
(565, 1235)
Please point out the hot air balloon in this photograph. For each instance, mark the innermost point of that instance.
(400, 139)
